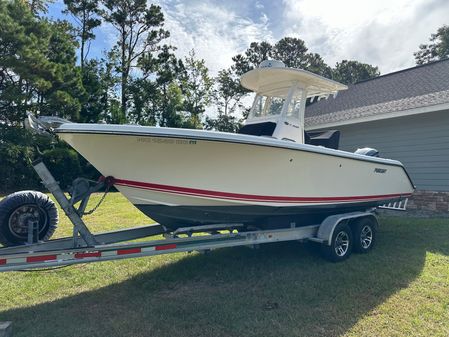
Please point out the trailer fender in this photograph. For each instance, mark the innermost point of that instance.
(327, 227)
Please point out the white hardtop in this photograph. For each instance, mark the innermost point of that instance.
(272, 78)
(280, 101)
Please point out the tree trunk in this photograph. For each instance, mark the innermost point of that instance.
(83, 41)
(164, 106)
(124, 76)
(123, 95)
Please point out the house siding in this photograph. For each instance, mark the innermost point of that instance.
(420, 142)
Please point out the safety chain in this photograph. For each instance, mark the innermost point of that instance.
(100, 202)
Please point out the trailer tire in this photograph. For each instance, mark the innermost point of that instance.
(17, 209)
(365, 234)
(341, 244)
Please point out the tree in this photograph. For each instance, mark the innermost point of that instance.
(168, 68)
(223, 123)
(256, 53)
(437, 49)
(38, 74)
(145, 98)
(38, 6)
(228, 92)
(173, 103)
(140, 30)
(18, 52)
(37, 66)
(66, 93)
(227, 99)
(292, 51)
(97, 85)
(154, 97)
(316, 65)
(350, 72)
(86, 14)
(110, 83)
(196, 86)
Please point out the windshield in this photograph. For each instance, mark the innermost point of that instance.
(266, 106)
(296, 104)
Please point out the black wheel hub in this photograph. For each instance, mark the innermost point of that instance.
(21, 218)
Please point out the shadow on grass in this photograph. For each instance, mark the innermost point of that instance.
(277, 290)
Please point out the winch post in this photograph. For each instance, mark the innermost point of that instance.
(52, 185)
(33, 232)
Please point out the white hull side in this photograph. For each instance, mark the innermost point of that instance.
(185, 171)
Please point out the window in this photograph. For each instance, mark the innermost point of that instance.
(296, 105)
(266, 106)
(275, 107)
(258, 107)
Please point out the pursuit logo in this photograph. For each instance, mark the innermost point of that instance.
(379, 170)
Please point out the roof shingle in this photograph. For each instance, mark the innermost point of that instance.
(406, 89)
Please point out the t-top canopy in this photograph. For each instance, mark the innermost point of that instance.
(276, 81)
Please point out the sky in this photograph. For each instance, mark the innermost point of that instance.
(384, 33)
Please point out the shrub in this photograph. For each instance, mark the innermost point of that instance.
(63, 163)
(18, 147)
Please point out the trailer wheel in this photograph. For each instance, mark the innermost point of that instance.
(19, 209)
(341, 244)
(365, 232)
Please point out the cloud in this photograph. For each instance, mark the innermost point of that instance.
(383, 32)
(217, 31)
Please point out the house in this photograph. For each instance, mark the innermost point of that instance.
(405, 116)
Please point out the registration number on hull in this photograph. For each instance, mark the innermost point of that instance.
(161, 140)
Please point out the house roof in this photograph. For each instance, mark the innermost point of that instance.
(384, 96)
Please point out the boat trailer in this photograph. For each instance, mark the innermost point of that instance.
(338, 234)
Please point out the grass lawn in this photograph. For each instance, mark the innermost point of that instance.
(399, 289)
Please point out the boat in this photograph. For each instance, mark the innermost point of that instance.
(271, 174)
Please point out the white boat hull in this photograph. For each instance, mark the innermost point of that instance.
(181, 177)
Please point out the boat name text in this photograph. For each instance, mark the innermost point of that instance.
(160, 140)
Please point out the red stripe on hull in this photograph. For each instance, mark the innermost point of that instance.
(249, 197)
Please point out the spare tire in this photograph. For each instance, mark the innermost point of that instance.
(16, 212)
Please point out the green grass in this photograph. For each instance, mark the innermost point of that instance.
(399, 289)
